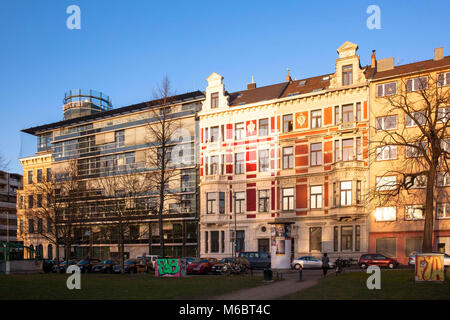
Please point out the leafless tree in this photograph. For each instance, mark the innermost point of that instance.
(164, 137)
(424, 139)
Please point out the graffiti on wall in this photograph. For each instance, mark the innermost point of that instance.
(429, 267)
(170, 268)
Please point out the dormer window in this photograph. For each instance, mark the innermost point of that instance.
(214, 100)
(347, 75)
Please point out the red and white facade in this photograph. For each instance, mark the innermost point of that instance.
(294, 152)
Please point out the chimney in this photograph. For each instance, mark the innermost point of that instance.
(373, 63)
(288, 77)
(251, 85)
(438, 53)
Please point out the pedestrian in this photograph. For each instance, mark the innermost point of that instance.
(325, 264)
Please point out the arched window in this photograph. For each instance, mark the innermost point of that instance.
(50, 252)
(39, 251)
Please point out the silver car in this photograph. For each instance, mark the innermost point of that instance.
(412, 259)
(308, 262)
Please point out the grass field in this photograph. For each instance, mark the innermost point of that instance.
(395, 285)
(129, 286)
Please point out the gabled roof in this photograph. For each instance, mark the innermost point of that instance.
(307, 85)
(185, 97)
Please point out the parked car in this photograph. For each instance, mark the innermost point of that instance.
(86, 265)
(47, 265)
(412, 259)
(258, 260)
(130, 266)
(150, 259)
(230, 265)
(376, 259)
(106, 266)
(189, 260)
(308, 262)
(201, 266)
(62, 266)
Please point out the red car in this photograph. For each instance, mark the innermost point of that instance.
(201, 266)
(377, 259)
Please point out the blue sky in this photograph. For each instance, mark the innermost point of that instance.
(124, 48)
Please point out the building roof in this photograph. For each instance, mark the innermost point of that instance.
(185, 97)
(257, 94)
(420, 66)
(307, 85)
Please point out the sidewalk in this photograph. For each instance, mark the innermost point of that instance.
(277, 289)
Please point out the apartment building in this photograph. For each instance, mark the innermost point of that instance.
(292, 153)
(396, 226)
(103, 143)
(9, 184)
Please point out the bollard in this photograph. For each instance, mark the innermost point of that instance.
(267, 274)
(300, 274)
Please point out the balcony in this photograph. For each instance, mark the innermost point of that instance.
(348, 126)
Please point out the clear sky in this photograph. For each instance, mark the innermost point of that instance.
(124, 48)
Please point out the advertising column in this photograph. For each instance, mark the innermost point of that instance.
(280, 246)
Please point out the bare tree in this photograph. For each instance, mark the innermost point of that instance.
(163, 135)
(425, 140)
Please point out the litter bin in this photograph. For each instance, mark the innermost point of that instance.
(267, 274)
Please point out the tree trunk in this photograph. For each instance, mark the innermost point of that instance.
(427, 244)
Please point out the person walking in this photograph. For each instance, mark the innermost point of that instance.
(325, 264)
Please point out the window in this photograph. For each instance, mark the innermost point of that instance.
(386, 183)
(414, 152)
(413, 245)
(263, 200)
(316, 197)
(206, 241)
(222, 234)
(30, 202)
(30, 226)
(386, 153)
(443, 210)
(443, 114)
(213, 164)
(316, 119)
(336, 151)
(347, 75)
(386, 123)
(315, 239)
(239, 131)
(214, 241)
(346, 193)
(347, 113)
(239, 163)
(30, 177)
(358, 192)
(416, 182)
(263, 160)
(221, 202)
(414, 212)
(288, 123)
(214, 134)
(240, 240)
(335, 194)
(415, 84)
(316, 154)
(357, 238)
(39, 175)
(206, 135)
(39, 201)
(358, 148)
(214, 100)
(21, 226)
(263, 127)
(347, 238)
(49, 174)
(358, 111)
(336, 115)
(49, 225)
(210, 202)
(420, 117)
(443, 179)
(39, 225)
(386, 89)
(239, 202)
(288, 199)
(444, 79)
(264, 245)
(386, 246)
(288, 158)
(347, 150)
(385, 214)
(336, 239)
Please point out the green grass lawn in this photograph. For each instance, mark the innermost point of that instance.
(128, 286)
(395, 284)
